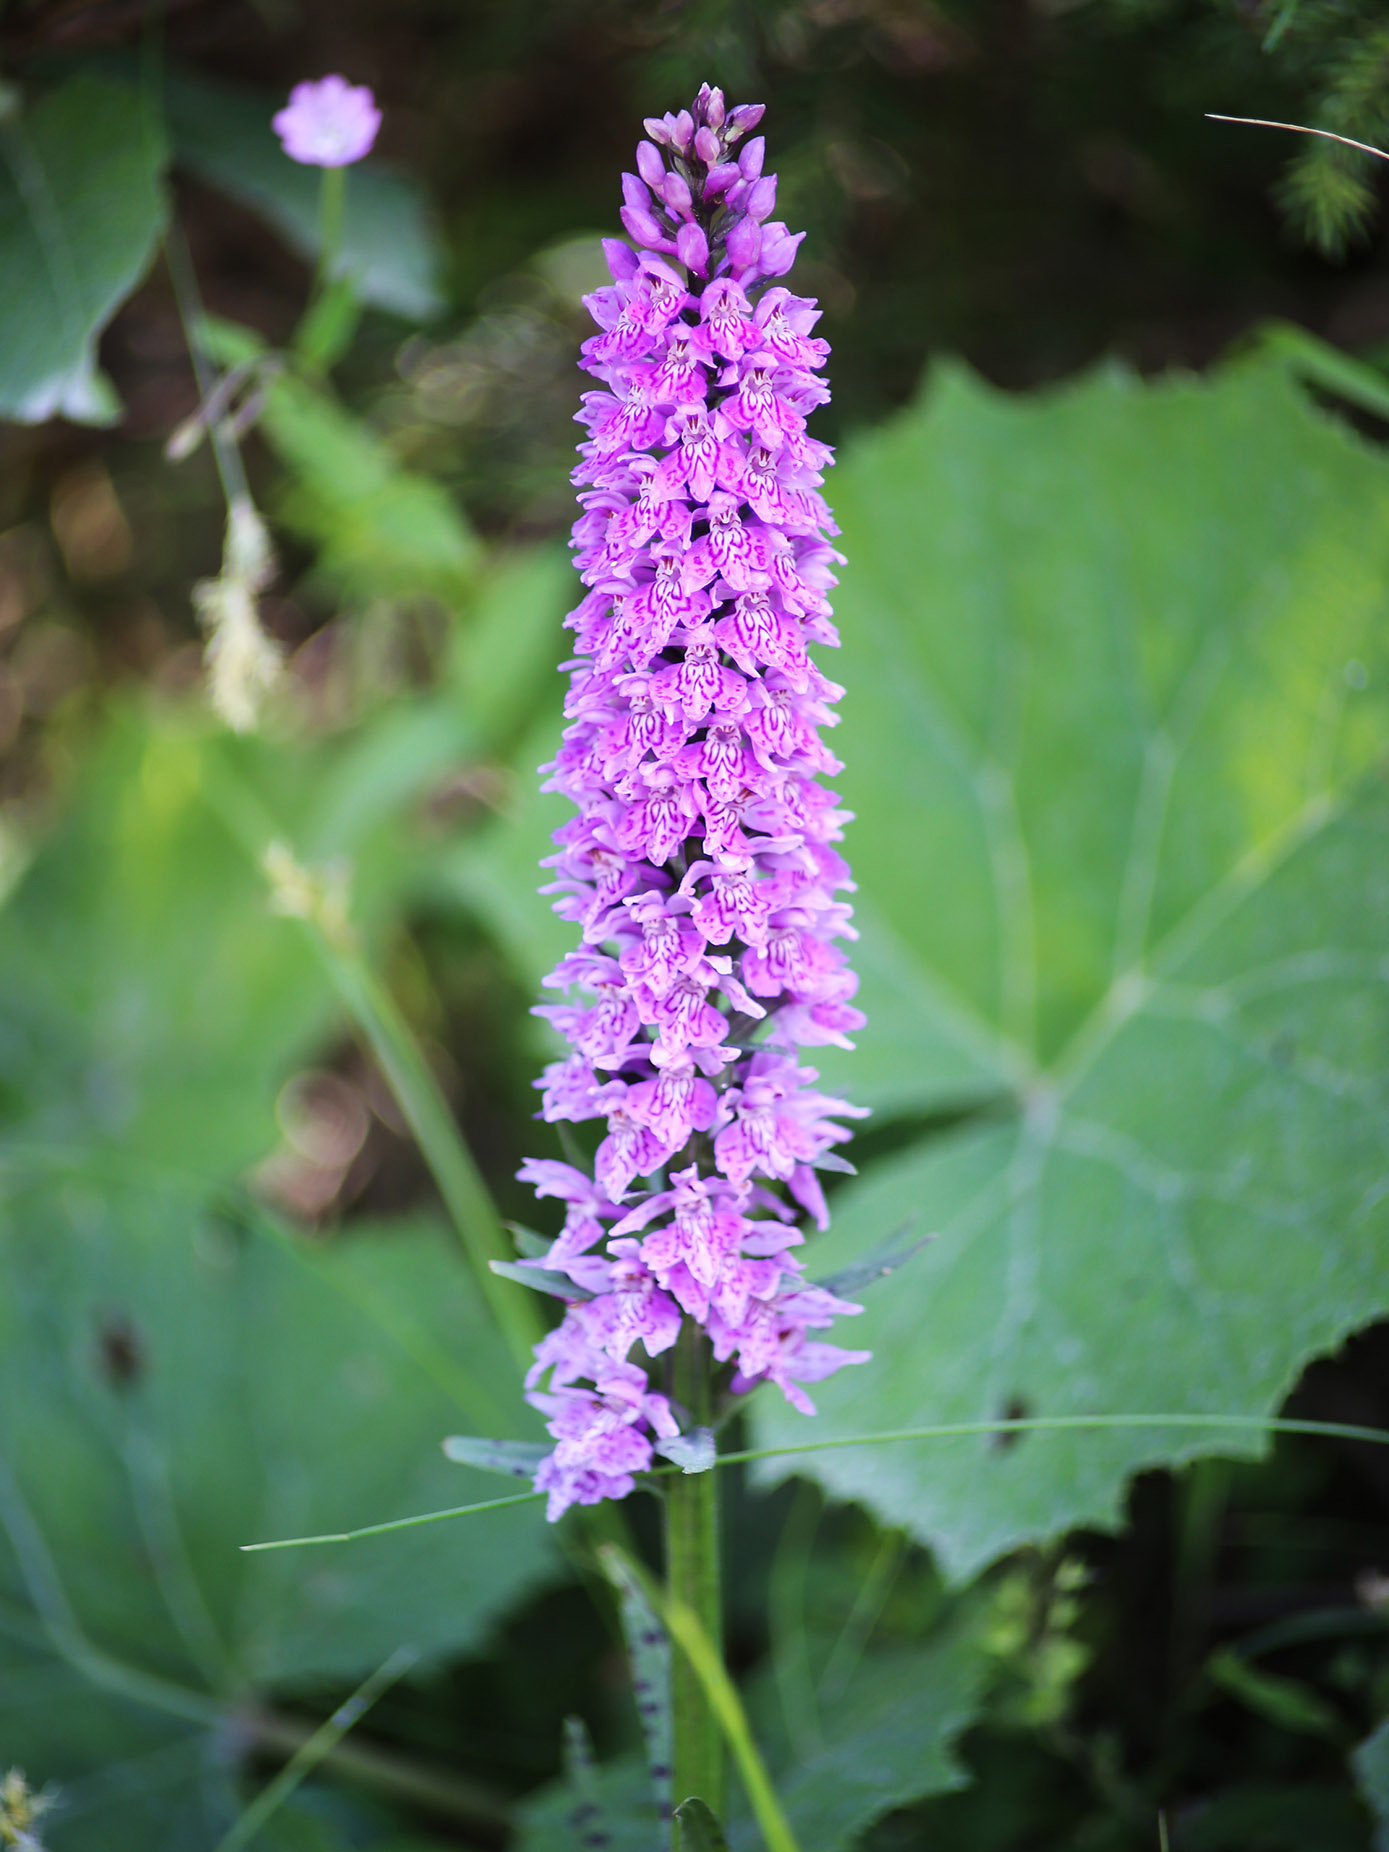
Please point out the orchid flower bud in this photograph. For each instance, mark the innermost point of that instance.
(650, 165)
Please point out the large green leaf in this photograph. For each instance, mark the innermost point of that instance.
(173, 1385)
(390, 245)
(886, 1739)
(81, 206)
(1118, 673)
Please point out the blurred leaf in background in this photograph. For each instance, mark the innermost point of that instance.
(1104, 644)
(378, 529)
(182, 1376)
(82, 206)
(176, 1384)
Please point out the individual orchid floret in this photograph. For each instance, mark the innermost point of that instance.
(701, 868)
(330, 123)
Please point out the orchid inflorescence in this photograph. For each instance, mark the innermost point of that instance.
(701, 866)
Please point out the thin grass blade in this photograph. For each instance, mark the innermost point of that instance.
(323, 1741)
(683, 1625)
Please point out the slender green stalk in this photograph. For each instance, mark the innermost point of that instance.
(230, 471)
(1051, 1424)
(1319, 364)
(321, 906)
(692, 1582)
(485, 1815)
(171, 1566)
(377, 1530)
(950, 1430)
(697, 1646)
(1201, 1506)
(332, 202)
(309, 1754)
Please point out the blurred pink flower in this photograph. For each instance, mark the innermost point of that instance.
(328, 124)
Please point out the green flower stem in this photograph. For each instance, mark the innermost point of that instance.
(697, 1647)
(377, 1530)
(332, 203)
(692, 1583)
(1051, 1424)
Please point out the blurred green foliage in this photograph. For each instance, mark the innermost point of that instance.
(1334, 57)
(81, 208)
(141, 1452)
(1372, 1769)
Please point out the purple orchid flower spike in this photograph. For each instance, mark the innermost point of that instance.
(700, 870)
